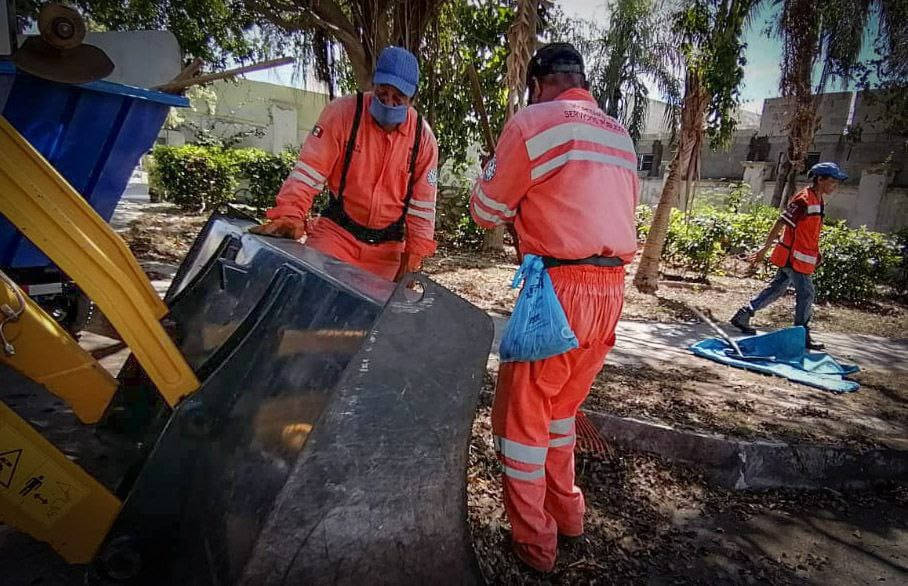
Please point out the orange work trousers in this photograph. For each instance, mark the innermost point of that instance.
(534, 409)
(380, 259)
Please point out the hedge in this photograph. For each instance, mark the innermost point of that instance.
(855, 262)
(198, 178)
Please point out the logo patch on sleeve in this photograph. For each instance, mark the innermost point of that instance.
(317, 131)
(489, 172)
(432, 177)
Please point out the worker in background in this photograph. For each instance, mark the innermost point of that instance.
(565, 174)
(378, 158)
(797, 254)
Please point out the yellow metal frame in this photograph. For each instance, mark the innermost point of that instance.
(40, 203)
(46, 354)
(47, 496)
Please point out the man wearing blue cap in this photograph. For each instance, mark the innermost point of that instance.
(797, 253)
(378, 158)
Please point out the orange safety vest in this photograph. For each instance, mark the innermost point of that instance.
(799, 247)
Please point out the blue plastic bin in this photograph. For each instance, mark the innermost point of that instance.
(93, 134)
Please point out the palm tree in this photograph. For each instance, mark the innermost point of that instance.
(635, 47)
(522, 39)
(709, 34)
(828, 34)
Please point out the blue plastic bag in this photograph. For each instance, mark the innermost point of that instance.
(538, 328)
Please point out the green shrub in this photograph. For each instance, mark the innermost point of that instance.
(695, 243)
(898, 275)
(263, 172)
(193, 177)
(454, 226)
(198, 178)
(643, 219)
(854, 262)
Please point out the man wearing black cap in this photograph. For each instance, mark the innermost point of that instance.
(565, 175)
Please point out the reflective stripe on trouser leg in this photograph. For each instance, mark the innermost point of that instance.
(531, 397)
(564, 500)
(520, 428)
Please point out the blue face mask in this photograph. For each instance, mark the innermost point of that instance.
(388, 115)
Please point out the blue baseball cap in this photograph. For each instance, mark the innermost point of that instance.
(827, 169)
(397, 67)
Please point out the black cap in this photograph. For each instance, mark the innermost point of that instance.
(555, 58)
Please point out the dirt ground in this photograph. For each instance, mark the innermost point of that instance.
(651, 521)
(692, 393)
(164, 235)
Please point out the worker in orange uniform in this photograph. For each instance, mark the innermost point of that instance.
(797, 254)
(565, 174)
(378, 158)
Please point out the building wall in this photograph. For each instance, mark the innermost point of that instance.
(851, 132)
(888, 213)
(284, 114)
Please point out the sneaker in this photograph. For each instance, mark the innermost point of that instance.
(741, 320)
(813, 344)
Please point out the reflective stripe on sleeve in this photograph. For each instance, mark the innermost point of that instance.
(426, 205)
(814, 209)
(491, 218)
(421, 214)
(302, 166)
(494, 205)
(297, 176)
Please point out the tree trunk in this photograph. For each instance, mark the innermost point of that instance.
(781, 181)
(493, 240)
(693, 111)
(522, 41)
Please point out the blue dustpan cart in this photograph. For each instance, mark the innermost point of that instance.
(94, 135)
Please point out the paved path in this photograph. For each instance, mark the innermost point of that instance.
(651, 343)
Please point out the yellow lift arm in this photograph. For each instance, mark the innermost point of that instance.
(40, 203)
(42, 350)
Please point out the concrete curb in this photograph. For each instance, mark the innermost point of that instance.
(746, 464)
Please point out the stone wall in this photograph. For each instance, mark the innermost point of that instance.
(870, 203)
(852, 132)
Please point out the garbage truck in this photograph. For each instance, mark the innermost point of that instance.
(283, 418)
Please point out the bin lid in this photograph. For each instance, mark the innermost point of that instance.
(108, 87)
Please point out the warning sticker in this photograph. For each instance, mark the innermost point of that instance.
(9, 461)
(32, 482)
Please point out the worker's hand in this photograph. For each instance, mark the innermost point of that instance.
(286, 227)
(754, 260)
(409, 263)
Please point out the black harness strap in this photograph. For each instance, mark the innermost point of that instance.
(351, 145)
(395, 231)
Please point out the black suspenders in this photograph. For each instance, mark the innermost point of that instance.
(335, 208)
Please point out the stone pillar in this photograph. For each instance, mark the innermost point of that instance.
(864, 211)
(755, 174)
(656, 169)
